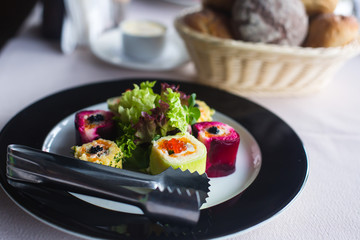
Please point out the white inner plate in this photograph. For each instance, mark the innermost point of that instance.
(62, 137)
(108, 47)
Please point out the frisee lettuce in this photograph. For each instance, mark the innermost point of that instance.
(135, 156)
(126, 139)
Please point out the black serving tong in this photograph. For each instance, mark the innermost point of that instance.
(173, 197)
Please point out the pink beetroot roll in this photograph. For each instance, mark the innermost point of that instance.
(222, 143)
(94, 124)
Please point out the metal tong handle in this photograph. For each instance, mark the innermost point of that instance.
(170, 179)
(28, 165)
(42, 163)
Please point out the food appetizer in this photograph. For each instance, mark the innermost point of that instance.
(149, 132)
(91, 125)
(222, 143)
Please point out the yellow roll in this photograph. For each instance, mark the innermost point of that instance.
(100, 151)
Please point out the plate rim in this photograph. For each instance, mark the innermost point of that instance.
(129, 81)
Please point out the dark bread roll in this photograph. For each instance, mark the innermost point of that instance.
(282, 22)
(314, 7)
(330, 30)
(210, 22)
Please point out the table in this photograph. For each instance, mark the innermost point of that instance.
(327, 122)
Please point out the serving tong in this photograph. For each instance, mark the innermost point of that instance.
(172, 197)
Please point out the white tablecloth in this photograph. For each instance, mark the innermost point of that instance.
(328, 123)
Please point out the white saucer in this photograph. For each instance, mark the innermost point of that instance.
(108, 47)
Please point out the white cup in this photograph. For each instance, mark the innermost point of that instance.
(143, 40)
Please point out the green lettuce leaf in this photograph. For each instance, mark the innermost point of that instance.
(177, 115)
(193, 113)
(134, 102)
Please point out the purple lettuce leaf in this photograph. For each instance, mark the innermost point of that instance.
(183, 96)
(151, 125)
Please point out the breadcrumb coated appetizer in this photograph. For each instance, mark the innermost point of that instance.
(206, 112)
(100, 151)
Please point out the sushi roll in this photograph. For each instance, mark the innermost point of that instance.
(182, 151)
(222, 143)
(100, 151)
(94, 124)
(206, 112)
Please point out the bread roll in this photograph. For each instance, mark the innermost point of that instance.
(282, 22)
(210, 22)
(314, 7)
(330, 30)
(220, 5)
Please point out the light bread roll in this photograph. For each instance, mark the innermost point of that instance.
(210, 22)
(314, 7)
(330, 30)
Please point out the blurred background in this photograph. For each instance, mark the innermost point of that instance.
(14, 12)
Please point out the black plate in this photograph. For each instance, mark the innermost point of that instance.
(283, 173)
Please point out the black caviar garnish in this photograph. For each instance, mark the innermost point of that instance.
(213, 130)
(95, 149)
(170, 152)
(96, 118)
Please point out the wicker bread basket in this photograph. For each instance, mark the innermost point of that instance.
(261, 69)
